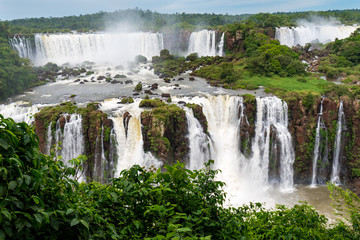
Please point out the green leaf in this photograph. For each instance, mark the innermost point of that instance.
(8, 230)
(12, 185)
(38, 217)
(184, 229)
(55, 224)
(4, 144)
(2, 235)
(137, 224)
(6, 213)
(85, 224)
(69, 211)
(46, 216)
(20, 224)
(27, 179)
(36, 199)
(74, 222)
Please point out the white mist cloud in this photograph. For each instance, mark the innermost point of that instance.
(318, 21)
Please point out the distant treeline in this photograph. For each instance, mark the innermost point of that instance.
(149, 20)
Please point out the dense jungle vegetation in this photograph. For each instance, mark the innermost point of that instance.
(15, 72)
(41, 199)
(148, 20)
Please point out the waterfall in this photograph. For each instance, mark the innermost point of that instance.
(22, 46)
(19, 112)
(317, 156)
(129, 146)
(245, 177)
(49, 139)
(308, 34)
(204, 43)
(221, 45)
(272, 117)
(110, 166)
(100, 160)
(198, 142)
(96, 47)
(335, 174)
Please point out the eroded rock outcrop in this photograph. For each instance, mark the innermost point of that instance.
(96, 129)
(164, 133)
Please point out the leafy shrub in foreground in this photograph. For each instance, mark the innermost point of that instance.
(40, 200)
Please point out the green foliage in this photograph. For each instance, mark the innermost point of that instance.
(15, 72)
(277, 59)
(192, 57)
(151, 103)
(138, 87)
(347, 204)
(40, 200)
(127, 100)
(228, 73)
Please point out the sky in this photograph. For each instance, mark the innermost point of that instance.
(14, 9)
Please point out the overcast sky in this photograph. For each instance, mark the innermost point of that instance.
(13, 9)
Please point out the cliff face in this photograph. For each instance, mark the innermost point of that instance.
(96, 129)
(176, 41)
(164, 131)
(303, 129)
(165, 134)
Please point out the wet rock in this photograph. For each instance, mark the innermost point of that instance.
(154, 86)
(81, 82)
(180, 79)
(116, 81)
(128, 82)
(165, 95)
(100, 77)
(191, 79)
(77, 80)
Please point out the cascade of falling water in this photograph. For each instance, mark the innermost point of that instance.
(272, 115)
(130, 149)
(100, 160)
(70, 139)
(22, 46)
(221, 45)
(307, 34)
(18, 112)
(110, 167)
(335, 174)
(49, 139)
(222, 115)
(96, 47)
(320, 124)
(204, 43)
(198, 142)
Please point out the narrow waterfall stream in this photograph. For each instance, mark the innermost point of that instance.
(341, 124)
(198, 141)
(317, 154)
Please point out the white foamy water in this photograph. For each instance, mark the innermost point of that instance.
(308, 34)
(117, 48)
(19, 111)
(204, 43)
